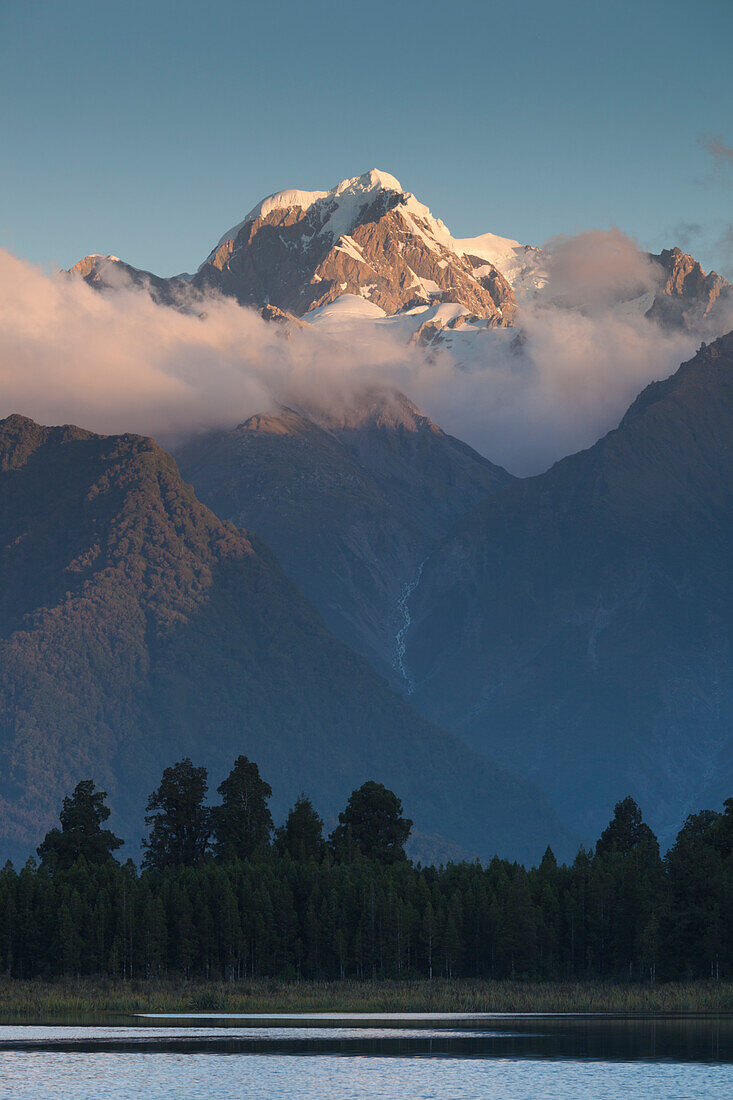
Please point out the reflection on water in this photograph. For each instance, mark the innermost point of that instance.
(373, 1057)
(262, 1077)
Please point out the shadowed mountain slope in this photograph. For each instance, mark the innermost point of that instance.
(350, 502)
(578, 626)
(136, 628)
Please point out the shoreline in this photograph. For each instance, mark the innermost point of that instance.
(21, 999)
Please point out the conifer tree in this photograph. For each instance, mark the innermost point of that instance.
(243, 822)
(179, 822)
(627, 856)
(625, 831)
(81, 834)
(301, 836)
(373, 825)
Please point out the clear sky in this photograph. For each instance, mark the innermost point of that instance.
(146, 129)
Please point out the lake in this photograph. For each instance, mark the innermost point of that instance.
(403, 1056)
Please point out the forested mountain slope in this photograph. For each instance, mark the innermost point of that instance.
(137, 628)
(351, 503)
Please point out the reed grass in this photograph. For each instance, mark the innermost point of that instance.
(36, 999)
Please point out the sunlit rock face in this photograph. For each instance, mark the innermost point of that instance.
(109, 273)
(299, 252)
(367, 236)
(686, 294)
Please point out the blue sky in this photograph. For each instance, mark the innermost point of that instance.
(147, 129)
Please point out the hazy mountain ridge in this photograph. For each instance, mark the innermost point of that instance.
(136, 627)
(578, 624)
(351, 501)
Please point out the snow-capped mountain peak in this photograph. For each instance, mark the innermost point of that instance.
(300, 250)
(348, 197)
(355, 190)
(522, 265)
(368, 250)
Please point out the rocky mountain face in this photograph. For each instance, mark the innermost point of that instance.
(686, 294)
(300, 250)
(577, 626)
(136, 628)
(110, 273)
(576, 587)
(351, 502)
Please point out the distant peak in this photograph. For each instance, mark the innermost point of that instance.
(365, 184)
(374, 180)
(18, 423)
(93, 262)
(348, 191)
(374, 405)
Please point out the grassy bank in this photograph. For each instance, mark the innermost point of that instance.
(19, 999)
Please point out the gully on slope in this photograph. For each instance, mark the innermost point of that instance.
(400, 643)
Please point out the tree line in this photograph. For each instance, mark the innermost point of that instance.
(223, 894)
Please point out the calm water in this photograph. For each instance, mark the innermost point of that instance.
(397, 1057)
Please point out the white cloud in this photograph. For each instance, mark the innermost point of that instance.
(117, 362)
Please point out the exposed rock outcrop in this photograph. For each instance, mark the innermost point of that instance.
(299, 251)
(687, 294)
(302, 250)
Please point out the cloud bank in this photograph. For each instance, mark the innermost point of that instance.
(117, 362)
(569, 383)
(597, 268)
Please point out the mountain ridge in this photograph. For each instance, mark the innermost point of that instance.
(351, 501)
(299, 251)
(136, 627)
(579, 620)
